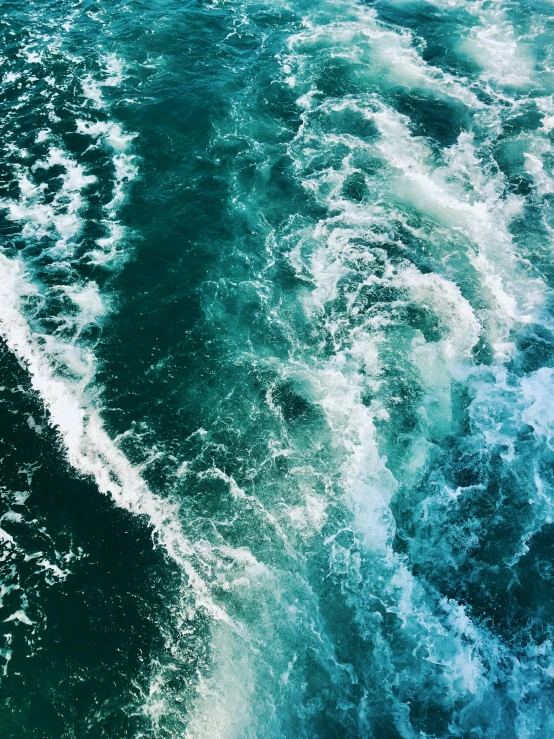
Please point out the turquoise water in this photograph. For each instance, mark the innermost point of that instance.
(277, 369)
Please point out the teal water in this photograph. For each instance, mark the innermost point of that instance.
(277, 369)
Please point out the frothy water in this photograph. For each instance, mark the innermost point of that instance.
(276, 280)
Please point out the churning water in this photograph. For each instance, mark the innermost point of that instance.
(277, 369)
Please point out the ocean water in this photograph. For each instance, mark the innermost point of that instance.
(277, 369)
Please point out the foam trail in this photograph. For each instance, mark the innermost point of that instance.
(89, 448)
(61, 364)
(346, 256)
(365, 486)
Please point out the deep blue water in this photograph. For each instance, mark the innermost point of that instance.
(276, 369)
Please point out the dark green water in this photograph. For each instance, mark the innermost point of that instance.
(276, 369)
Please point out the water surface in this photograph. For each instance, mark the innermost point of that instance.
(277, 369)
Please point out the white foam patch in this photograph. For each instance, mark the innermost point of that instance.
(223, 708)
(114, 70)
(493, 44)
(538, 394)
(506, 59)
(109, 251)
(112, 75)
(445, 300)
(362, 39)
(469, 197)
(91, 91)
(61, 216)
(439, 361)
(91, 304)
(544, 182)
(75, 178)
(111, 132)
(37, 428)
(19, 616)
(483, 215)
(546, 107)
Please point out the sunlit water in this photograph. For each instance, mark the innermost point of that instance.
(277, 369)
